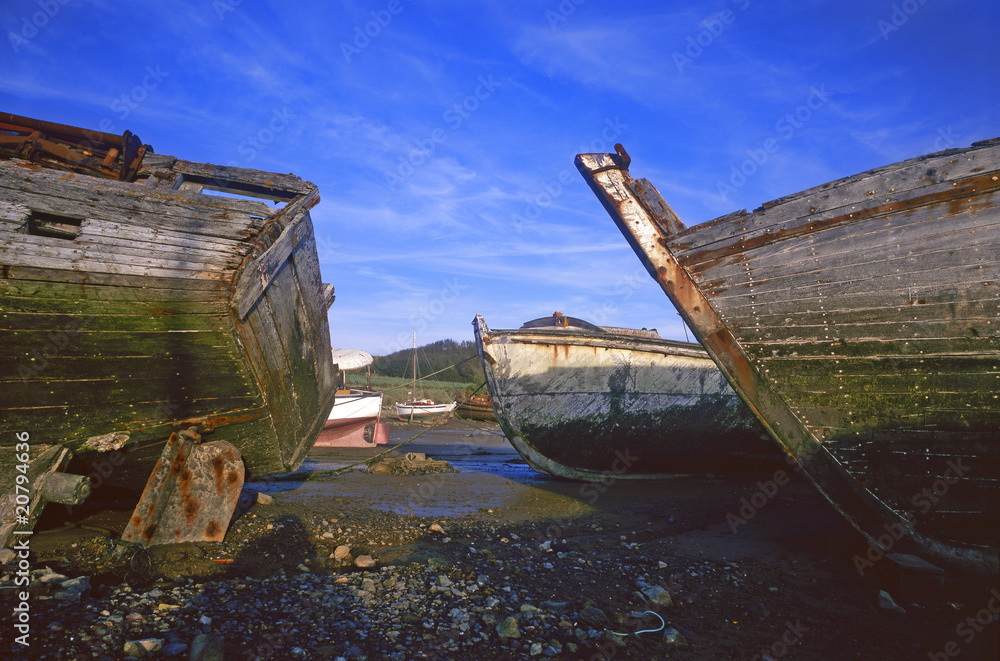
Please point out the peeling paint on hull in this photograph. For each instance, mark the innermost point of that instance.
(584, 405)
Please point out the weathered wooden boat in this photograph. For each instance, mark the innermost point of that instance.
(584, 402)
(353, 408)
(861, 321)
(134, 303)
(475, 407)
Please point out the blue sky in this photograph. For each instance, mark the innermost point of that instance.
(442, 133)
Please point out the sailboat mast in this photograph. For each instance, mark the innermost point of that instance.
(413, 393)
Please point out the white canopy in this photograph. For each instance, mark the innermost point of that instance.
(351, 359)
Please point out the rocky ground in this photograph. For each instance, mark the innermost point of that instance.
(533, 569)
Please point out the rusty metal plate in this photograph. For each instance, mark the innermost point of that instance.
(191, 494)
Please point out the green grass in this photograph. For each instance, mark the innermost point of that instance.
(397, 389)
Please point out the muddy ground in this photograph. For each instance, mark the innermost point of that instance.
(460, 556)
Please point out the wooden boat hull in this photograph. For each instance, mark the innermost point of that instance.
(861, 322)
(352, 411)
(475, 409)
(132, 309)
(585, 405)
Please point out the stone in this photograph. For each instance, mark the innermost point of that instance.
(52, 578)
(436, 527)
(508, 628)
(73, 589)
(885, 601)
(207, 647)
(536, 649)
(174, 649)
(264, 499)
(341, 552)
(364, 561)
(134, 649)
(6, 555)
(444, 581)
(658, 595)
(140, 648)
(593, 616)
(673, 638)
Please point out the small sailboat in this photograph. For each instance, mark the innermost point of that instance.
(422, 408)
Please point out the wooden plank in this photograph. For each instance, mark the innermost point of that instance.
(111, 307)
(71, 342)
(863, 366)
(44, 250)
(142, 420)
(118, 323)
(80, 288)
(295, 337)
(836, 255)
(143, 213)
(110, 389)
(888, 185)
(269, 185)
(269, 365)
(305, 262)
(896, 293)
(262, 268)
(180, 364)
(16, 257)
(127, 196)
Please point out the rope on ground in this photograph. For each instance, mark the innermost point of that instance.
(636, 633)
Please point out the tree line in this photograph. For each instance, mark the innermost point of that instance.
(447, 355)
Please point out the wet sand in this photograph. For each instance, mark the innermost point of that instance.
(547, 552)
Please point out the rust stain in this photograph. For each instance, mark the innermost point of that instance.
(213, 529)
(232, 479)
(218, 465)
(191, 507)
(149, 531)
